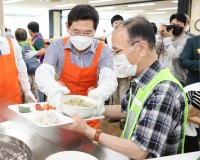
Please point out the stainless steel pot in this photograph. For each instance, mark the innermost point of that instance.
(12, 148)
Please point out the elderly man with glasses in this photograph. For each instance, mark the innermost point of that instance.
(156, 106)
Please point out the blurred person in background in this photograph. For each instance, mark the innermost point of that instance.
(191, 139)
(155, 29)
(39, 44)
(115, 21)
(155, 107)
(8, 33)
(13, 73)
(84, 65)
(158, 41)
(187, 28)
(192, 127)
(190, 60)
(173, 39)
(31, 64)
(46, 44)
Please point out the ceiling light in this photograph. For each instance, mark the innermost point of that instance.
(104, 8)
(163, 9)
(175, 1)
(100, 1)
(142, 4)
(66, 5)
(156, 13)
(134, 11)
(12, 1)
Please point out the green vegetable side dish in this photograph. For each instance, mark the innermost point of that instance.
(24, 109)
(78, 102)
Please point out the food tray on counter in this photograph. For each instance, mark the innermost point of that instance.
(34, 115)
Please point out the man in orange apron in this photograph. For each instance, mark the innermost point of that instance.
(13, 70)
(84, 65)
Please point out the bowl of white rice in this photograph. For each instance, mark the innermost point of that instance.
(81, 105)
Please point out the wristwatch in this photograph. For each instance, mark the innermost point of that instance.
(95, 140)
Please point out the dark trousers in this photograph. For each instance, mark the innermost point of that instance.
(191, 144)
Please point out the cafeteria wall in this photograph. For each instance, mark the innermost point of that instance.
(24, 16)
(195, 15)
(105, 24)
(1, 19)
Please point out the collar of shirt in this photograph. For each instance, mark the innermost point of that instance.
(145, 77)
(91, 48)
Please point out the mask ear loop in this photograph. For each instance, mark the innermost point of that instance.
(137, 61)
(130, 51)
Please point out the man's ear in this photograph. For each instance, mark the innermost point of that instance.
(143, 47)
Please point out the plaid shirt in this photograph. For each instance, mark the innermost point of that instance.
(160, 124)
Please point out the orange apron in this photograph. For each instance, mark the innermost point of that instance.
(79, 80)
(9, 84)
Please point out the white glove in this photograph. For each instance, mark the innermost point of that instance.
(31, 54)
(55, 94)
(107, 83)
(95, 94)
(30, 97)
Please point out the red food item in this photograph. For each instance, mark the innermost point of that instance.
(38, 107)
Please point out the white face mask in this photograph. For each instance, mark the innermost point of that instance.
(123, 65)
(81, 42)
(187, 28)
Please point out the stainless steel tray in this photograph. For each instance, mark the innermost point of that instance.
(12, 148)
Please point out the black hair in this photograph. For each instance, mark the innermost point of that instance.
(6, 29)
(83, 12)
(139, 28)
(117, 17)
(47, 43)
(155, 29)
(20, 34)
(33, 26)
(179, 17)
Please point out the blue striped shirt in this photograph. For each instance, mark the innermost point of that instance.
(55, 56)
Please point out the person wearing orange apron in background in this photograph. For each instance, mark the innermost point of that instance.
(83, 64)
(13, 71)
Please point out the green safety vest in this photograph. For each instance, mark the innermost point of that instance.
(140, 98)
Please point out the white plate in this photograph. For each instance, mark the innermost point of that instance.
(34, 114)
(71, 155)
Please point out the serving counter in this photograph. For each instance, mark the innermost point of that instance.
(44, 142)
